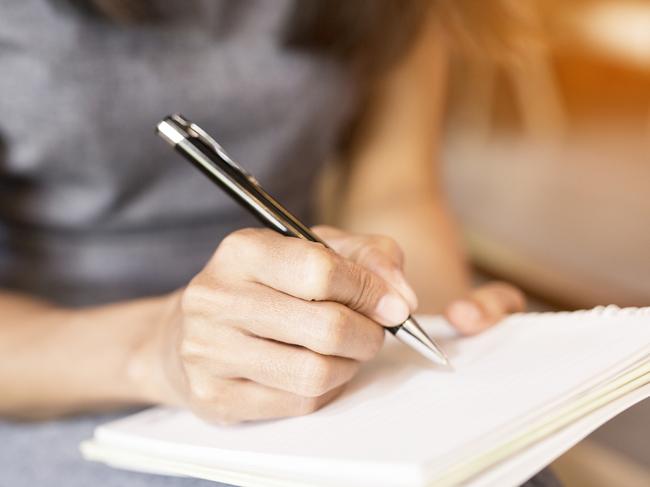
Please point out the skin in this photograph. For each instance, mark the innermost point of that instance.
(272, 326)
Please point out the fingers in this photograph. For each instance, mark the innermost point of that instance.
(484, 307)
(310, 271)
(295, 369)
(379, 254)
(327, 328)
(273, 364)
(234, 401)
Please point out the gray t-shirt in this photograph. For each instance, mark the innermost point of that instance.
(95, 208)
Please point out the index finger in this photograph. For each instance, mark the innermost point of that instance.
(310, 271)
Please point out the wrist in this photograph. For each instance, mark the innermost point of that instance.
(151, 360)
(68, 360)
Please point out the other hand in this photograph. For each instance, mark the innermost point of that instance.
(484, 307)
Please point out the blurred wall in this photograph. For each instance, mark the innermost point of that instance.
(548, 165)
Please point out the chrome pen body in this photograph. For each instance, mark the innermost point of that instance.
(202, 151)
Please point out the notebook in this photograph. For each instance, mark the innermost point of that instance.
(521, 394)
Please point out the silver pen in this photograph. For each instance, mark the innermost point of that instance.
(208, 156)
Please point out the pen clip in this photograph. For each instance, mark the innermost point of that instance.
(193, 130)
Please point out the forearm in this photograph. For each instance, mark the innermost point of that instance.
(56, 361)
(395, 179)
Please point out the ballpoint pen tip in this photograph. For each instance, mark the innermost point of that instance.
(412, 334)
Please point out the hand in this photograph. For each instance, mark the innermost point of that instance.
(275, 326)
(484, 307)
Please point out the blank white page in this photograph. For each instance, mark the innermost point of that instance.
(403, 416)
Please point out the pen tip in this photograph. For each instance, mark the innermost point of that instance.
(412, 334)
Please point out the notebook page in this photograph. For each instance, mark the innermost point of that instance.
(546, 426)
(510, 473)
(519, 468)
(401, 413)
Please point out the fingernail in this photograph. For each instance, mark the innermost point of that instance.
(392, 309)
(406, 290)
(465, 312)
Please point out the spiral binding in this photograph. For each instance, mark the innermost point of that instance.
(599, 311)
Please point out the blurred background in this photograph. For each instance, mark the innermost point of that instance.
(547, 160)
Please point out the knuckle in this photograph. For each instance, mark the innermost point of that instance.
(367, 290)
(199, 294)
(322, 229)
(334, 329)
(190, 351)
(207, 360)
(234, 243)
(239, 238)
(202, 296)
(381, 250)
(201, 390)
(193, 296)
(212, 401)
(370, 253)
(389, 244)
(319, 268)
(317, 374)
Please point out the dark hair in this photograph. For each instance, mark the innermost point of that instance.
(372, 33)
(369, 34)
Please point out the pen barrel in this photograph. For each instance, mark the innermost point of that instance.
(244, 189)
